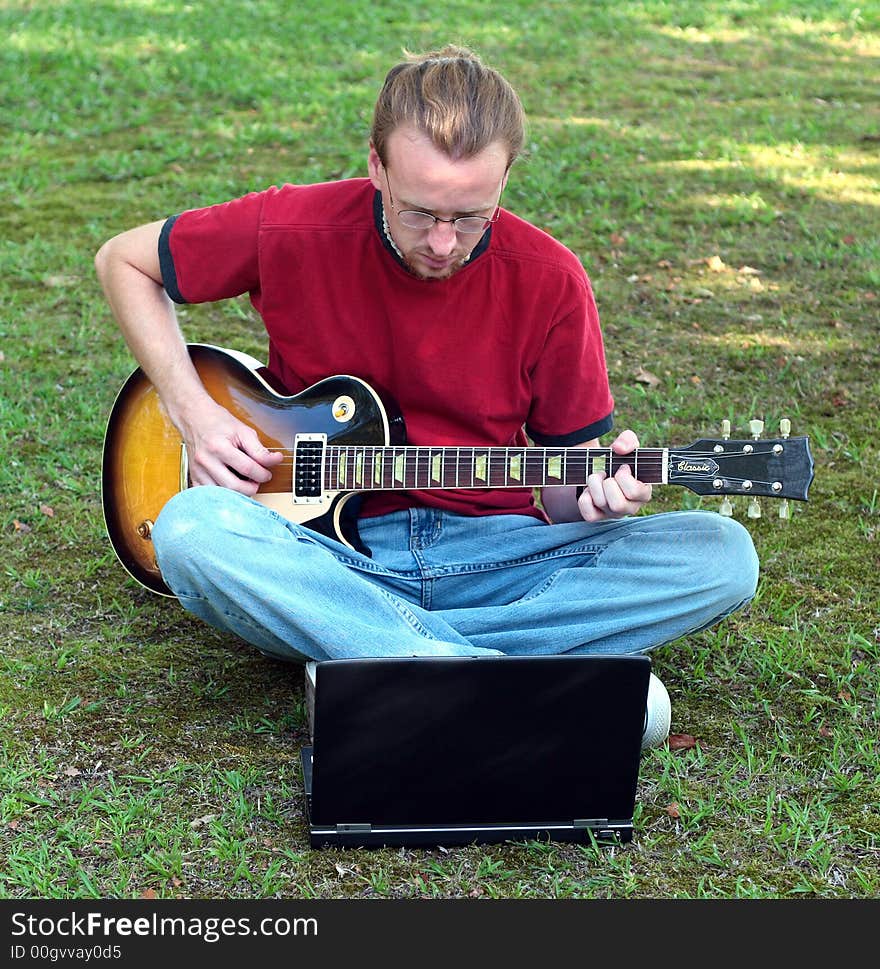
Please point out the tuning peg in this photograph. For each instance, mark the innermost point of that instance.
(725, 429)
(756, 427)
(784, 509)
(754, 508)
(785, 427)
(726, 508)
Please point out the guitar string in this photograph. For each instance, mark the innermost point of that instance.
(382, 474)
(411, 448)
(335, 461)
(643, 453)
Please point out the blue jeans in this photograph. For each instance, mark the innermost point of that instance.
(445, 584)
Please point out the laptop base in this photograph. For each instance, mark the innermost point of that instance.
(361, 834)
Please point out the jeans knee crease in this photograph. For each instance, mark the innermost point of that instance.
(405, 613)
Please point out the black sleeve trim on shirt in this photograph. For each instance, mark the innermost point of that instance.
(596, 429)
(166, 263)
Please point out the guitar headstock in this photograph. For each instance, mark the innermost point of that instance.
(752, 467)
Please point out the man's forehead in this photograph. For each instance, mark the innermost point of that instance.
(422, 174)
(408, 143)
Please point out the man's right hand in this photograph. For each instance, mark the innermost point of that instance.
(222, 450)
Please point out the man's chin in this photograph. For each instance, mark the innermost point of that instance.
(429, 269)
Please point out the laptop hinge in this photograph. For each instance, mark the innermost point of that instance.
(353, 828)
(601, 828)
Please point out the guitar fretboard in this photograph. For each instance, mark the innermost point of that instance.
(357, 468)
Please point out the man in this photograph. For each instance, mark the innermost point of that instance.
(484, 329)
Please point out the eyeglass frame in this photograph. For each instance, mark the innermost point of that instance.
(436, 218)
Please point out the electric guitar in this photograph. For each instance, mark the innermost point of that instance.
(341, 438)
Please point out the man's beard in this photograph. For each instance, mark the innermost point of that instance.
(437, 275)
(404, 256)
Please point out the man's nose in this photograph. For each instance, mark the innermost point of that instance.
(442, 238)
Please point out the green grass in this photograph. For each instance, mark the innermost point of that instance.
(715, 165)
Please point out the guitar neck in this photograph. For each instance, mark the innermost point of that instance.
(388, 468)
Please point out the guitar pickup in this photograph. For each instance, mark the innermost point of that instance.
(308, 468)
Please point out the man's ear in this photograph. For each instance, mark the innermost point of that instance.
(375, 169)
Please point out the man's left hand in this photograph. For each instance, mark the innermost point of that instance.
(615, 497)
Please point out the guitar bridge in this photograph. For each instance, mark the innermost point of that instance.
(308, 468)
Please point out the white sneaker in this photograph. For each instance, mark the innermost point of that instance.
(658, 715)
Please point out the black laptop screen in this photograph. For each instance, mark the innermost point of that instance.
(477, 741)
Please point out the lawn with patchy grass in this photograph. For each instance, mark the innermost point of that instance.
(716, 165)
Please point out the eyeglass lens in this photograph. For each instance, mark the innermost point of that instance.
(415, 219)
(424, 220)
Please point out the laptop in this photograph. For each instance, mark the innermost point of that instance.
(437, 751)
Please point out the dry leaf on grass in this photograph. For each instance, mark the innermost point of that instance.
(646, 377)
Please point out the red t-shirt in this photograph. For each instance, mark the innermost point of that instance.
(508, 345)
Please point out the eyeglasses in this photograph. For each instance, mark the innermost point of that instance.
(416, 219)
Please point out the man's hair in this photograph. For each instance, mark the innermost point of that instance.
(454, 98)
